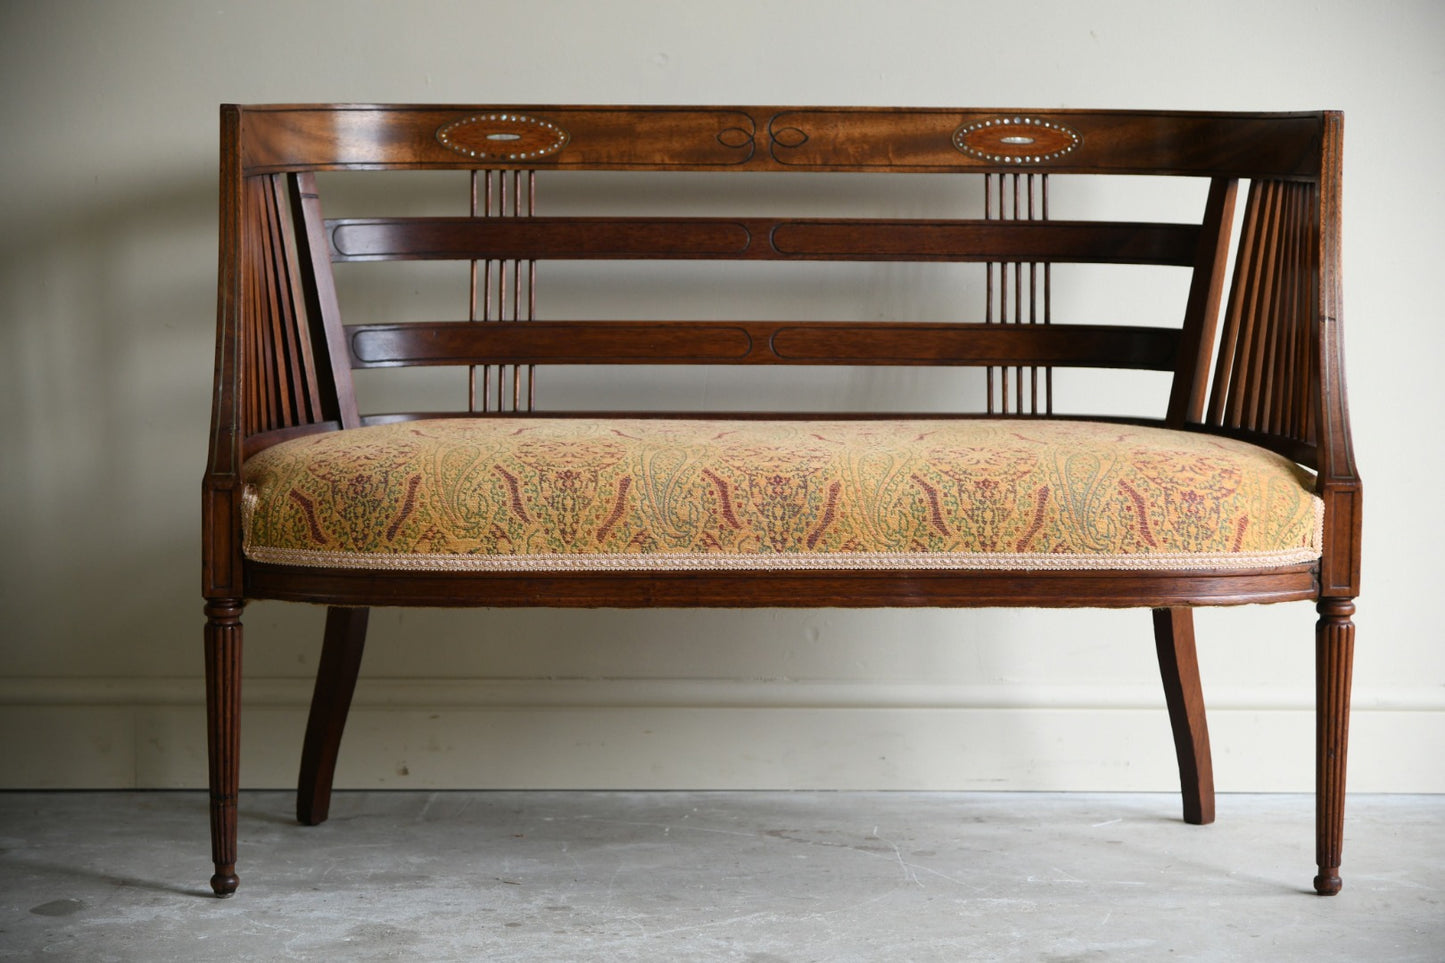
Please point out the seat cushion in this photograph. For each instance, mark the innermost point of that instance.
(509, 494)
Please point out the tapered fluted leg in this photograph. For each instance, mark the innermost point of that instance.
(223, 729)
(1179, 669)
(1334, 659)
(335, 683)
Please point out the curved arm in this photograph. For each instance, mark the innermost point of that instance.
(220, 506)
(1339, 482)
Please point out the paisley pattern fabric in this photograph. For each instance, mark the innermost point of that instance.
(499, 494)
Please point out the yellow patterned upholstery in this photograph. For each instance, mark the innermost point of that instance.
(497, 494)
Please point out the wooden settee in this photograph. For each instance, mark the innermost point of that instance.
(1240, 488)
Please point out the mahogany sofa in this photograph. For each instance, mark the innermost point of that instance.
(1240, 487)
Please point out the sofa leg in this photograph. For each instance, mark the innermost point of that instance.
(1179, 669)
(1334, 658)
(223, 730)
(336, 674)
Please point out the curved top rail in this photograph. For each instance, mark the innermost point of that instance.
(275, 138)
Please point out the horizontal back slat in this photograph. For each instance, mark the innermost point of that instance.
(582, 238)
(761, 342)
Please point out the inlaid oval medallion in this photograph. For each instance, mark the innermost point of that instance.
(503, 137)
(1016, 140)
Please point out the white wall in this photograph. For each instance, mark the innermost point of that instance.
(107, 152)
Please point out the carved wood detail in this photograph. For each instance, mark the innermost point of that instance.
(1334, 661)
(223, 726)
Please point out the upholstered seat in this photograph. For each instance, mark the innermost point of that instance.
(652, 494)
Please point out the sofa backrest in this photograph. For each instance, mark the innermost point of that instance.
(1247, 350)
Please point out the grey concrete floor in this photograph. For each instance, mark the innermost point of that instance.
(755, 877)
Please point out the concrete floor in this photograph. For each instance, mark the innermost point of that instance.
(754, 877)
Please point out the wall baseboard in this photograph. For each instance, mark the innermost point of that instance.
(674, 734)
